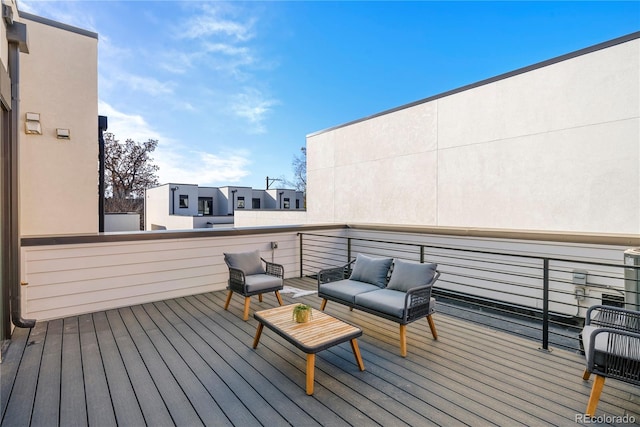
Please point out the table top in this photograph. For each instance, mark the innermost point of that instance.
(319, 333)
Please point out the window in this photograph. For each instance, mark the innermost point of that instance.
(240, 202)
(184, 201)
(297, 203)
(286, 203)
(255, 203)
(205, 206)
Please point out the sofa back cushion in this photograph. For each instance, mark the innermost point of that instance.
(407, 275)
(371, 270)
(249, 262)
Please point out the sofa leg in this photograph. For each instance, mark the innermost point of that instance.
(279, 297)
(403, 340)
(432, 326)
(586, 374)
(259, 297)
(596, 389)
(226, 304)
(323, 304)
(245, 315)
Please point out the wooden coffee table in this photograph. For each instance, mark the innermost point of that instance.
(320, 333)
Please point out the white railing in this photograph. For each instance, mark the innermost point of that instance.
(72, 275)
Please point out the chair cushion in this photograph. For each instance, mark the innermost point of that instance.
(384, 300)
(248, 262)
(407, 275)
(371, 270)
(346, 290)
(262, 282)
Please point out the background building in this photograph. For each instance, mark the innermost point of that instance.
(552, 147)
(187, 206)
(58, 164)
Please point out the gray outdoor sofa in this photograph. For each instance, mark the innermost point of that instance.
(392, 289)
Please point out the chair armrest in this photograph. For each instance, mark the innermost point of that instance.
(618, 354)
(236, 279)
(613, 317)
(334, 274)
(274, 269)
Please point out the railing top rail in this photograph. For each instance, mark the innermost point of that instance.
(627, 240)
(478, 251)
(166, 234)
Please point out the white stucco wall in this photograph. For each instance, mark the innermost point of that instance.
(59, 178)
(554, 149)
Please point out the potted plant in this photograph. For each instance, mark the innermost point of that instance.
(302, 313)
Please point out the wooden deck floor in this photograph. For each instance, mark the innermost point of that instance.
(188, 362)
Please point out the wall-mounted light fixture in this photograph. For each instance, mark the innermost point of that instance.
(32, 124)
(63, 133)
(7, 14)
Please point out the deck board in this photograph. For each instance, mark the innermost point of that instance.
(46, 406)
(187, 361)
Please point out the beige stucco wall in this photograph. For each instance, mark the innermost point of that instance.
(59, 178)
(554, 149)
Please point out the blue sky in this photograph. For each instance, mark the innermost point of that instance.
(231, 89)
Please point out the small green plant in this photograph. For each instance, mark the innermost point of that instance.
(302, 313)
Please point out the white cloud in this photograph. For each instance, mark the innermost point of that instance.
(127, 126)
(204, 169)
(67, 12)
(252, 106)
(210, 21)
(147, 85)
(178, 163)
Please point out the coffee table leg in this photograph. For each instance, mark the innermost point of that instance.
(258, 333)
(356, 353)
(311, 366)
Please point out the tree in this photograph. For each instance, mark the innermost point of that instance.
(300, 171)
(129, 170)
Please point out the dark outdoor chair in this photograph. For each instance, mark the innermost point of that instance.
(248, 276)
(611, 338)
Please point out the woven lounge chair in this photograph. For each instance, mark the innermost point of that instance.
(248, 277)
(611, 338)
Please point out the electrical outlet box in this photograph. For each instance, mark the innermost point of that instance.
(580, 277)
(274, 245)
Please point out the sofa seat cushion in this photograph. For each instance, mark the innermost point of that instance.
(386, 301)
(259, 282)
(371, 270)
(347, 289)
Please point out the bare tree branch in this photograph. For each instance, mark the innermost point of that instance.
(129, 170)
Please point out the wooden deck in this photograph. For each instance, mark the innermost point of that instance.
(188, 362)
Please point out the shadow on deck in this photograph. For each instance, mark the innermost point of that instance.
(186, 361)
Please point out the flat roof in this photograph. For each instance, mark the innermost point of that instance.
(56, 24)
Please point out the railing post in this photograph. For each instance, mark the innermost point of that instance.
(421, 254)
(348, 249)
(545, 304)
(300, 234)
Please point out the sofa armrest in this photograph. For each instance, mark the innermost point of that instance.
(416, 302)
(334, 274)
(274, 269)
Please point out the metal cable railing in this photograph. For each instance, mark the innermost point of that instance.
(529, 295)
